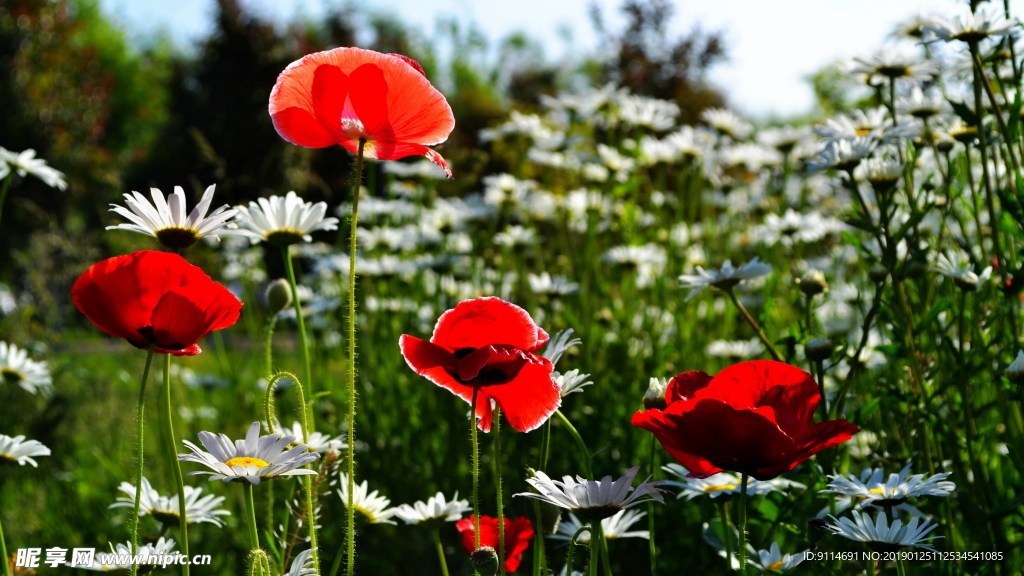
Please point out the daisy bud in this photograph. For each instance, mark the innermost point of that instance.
(654, 397)
(818, 349)
(1015, 371)
(278, 295)
(812, 283)
(485, 560)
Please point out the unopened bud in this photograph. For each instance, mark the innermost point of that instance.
(279, 295)
(812, 283)
(654, 397)
(878, 274)
(818, 349)
(485, 560)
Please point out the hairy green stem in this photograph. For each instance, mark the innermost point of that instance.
(723, 510)
(743, 525)
(496, 427)
(179, 480)
(139, 415)
(579, 444)
(476, 469)
(350, 511)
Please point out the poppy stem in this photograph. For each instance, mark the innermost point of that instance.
(753, 324)
(300, 322)
(476, 470)
(3, 551)
(723, 509)
(497, 486)
(307, 480)
(651, 548)
(743, 525)
(179, 480)
(350, 510)
(140, 411)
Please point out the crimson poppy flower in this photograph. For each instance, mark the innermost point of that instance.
(345, 95)
(155, 299)
(518, 534)
(490, 346)
(755, 418)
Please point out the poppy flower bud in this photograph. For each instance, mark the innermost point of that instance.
(485, 560)
(278, 295)
(812, 283)
(818, 349)
(654, 397)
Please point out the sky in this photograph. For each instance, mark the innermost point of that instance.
(773, 45)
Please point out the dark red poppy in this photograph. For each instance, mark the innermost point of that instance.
(754, 418)
(155, 299)
(518, 534)
(345, 95)
(489, 345)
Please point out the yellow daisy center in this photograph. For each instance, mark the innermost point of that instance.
(247, 461)
(877, 491)
(285, 237)
(177, 237)
(862, 130)
(775, 565)
(10, 376)
(720, 488)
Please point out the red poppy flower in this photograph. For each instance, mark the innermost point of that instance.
(754, 418)
(345, 95)
(155, 299)
(518, 534)
(489, 345)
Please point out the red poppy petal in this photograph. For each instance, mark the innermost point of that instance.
(397, 150)
(177, 322)
(416, 65)
(825, 435)
(299, 127)
(442, 378)
(418, 112)
(483, 321)
(369, 99)
(651, 420)
(684, 385)
(329, 90)
(518, 534)
(421, 355)
(528, 400)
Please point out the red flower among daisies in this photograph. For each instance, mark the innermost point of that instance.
(755, 418)
(155, 299)
(490, 346)
(518, 534)
(345, 95)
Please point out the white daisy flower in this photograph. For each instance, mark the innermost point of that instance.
(844, 154)
(147, 556)
(727, 122)
(558, 344)
(593, 499)
(615, 526)
(25, 162)
(371, 505)
(165, 219)
(895, 64)
(773, 559)
(284, 220)
(735, 348)
(199, 507)
(19, 450)
(964, 277)
(873, 487)
(17, 368)
(725, 278)
(882, 535)
(545, 283)
(723, 484)
(318, 442)
(436, 510)
(571, 381)
(968, 26)
(302, 565)
(253, 459)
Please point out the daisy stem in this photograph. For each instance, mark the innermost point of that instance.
(753, 324)
(743, 525)
(900, 568)
(497, 488)
(350, 510)
(579, 443)
(723, 509)
(595, 546)
(179, 480)
(303, 341)
(140, 412)
(250, 517)
(440, 552)
(3, 550)
(572, 548)
(539, 559)
(652, 549)
(5, 187)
